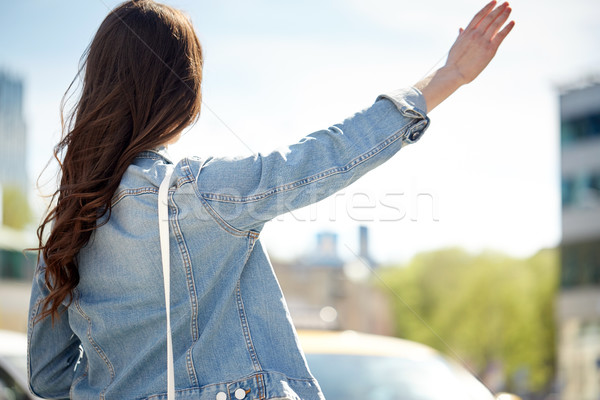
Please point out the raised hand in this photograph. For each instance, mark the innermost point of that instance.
(472, 51)
(477, 44)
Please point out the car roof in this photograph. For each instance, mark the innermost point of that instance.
(355, 343)
(12, 343)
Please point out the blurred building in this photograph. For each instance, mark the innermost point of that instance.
(578, 305)
(325, 292)
(15, 270)
(13, 139)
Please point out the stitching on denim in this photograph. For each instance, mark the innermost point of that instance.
(31, 324)
(222, 223)
(304, 380)
(95, 345)
(212, 212)
(182, 391)
(149, 154)
(218, 219)
(185, 256)
(146, 190)
(190, 365)
(251, 242)
(186, 168)
(279, 398)
(246, 329)
(183, 180)
(258, 395)
(260, 375)
(399, 134)
(261, 385)
(194, 389)
(34, 312)
(132, 192)
(283, 398)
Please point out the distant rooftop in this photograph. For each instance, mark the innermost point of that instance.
(578, 84)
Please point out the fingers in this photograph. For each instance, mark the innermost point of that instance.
(495, 20)
(481, 15)
(503, 33)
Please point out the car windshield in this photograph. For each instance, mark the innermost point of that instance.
(350, 377)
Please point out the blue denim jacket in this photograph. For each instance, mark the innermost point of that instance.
(233, 336)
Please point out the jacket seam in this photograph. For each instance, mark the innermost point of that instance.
(31, 325)
(260, 383)
(246, 330)
(259, 375)
(121, 194)
(184, 253)
(315, 177)
(211, 211)
(151, 155)
(95, 345)
(224, 224)
(132, 192)
(189, 359)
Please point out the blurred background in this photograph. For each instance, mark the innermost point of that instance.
(482, 240)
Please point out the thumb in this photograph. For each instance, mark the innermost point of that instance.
(460, 31)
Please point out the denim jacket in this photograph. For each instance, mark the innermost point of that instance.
(232, 333)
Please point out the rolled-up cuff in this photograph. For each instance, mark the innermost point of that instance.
(411, 103)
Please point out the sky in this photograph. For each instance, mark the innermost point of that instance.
(486, 174)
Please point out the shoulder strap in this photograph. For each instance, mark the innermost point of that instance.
(163, 225)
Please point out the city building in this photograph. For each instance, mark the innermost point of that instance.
(16, 270)
(578, 304)
(13, 138)
(325, 292)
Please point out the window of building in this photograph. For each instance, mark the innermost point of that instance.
(577, 129)
(580, 264)
(568, 192)
(582, 190)
(594, 183)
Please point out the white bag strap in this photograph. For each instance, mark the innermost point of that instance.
(163, 226)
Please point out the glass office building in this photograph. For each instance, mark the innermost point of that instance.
(13, 140)
(578, 304)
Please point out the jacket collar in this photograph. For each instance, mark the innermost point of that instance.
(159, 153)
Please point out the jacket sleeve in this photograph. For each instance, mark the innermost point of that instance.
(52, 349)
(247, 192)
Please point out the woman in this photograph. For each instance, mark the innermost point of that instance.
(97, 316)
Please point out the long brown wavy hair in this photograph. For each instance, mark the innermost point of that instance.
(141, 88)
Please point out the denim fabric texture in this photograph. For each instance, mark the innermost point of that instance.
(232, 332)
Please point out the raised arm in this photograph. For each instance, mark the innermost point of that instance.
(470, 54)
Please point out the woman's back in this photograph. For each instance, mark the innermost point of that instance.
(222, 290)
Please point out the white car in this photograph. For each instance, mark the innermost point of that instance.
(357, 366)
(348, 365)
(13, 367)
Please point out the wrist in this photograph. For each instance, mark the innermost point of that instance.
(439, 85)
(452, 75)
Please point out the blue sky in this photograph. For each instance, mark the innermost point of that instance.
(486, 174)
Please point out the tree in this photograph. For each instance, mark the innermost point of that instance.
(15, 207)
(482, 309)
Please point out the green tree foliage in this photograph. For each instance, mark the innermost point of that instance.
(15, 207)
(481, 308)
